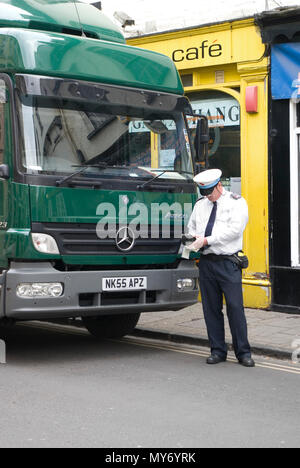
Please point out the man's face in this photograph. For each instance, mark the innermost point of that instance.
(215, 195)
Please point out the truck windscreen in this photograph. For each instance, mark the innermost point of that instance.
(114, 137)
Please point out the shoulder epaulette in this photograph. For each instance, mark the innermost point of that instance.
(236, 196)
(200, 199)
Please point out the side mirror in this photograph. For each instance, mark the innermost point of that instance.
(202, 140)
(4, 171)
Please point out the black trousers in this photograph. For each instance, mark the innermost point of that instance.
(218, 278)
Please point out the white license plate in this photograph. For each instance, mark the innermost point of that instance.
(137, 283)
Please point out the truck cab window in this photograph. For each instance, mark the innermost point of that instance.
(58, 136)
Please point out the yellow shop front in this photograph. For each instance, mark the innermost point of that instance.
(224, 69)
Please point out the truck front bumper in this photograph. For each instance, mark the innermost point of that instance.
(83, 295)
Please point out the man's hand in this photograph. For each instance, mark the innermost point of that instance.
(198, 244)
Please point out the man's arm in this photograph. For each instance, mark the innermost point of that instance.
(192, 226)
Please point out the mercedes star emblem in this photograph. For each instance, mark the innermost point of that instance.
(125, 239)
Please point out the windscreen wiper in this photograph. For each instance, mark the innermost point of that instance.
(59, 183)
(151, 180)
(159, 175)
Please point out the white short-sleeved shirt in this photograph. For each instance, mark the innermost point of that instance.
(228, 230)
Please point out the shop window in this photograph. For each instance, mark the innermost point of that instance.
(295, 182)
(223, 112)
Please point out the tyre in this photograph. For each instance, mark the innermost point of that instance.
(5, 326)
(7, 323)
(111, 326)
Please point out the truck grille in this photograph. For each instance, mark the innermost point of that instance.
(82, 239)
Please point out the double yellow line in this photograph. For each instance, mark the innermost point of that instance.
(146, 343)
(194, 352)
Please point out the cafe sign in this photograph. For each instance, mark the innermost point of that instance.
(200, 50)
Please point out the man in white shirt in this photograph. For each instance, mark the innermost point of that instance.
(218, 222)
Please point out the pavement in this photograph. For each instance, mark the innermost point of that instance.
(272, 334)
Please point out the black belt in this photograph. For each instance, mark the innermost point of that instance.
(240, 260)
(216, 258)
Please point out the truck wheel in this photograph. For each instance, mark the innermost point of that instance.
(112, 326)
(6, 323)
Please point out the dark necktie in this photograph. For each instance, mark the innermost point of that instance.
(211, 221)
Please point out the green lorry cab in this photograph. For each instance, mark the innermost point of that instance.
(96, 171)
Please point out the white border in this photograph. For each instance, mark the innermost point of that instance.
(294, 180)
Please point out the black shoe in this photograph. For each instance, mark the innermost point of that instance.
(215, 359)
(247, 362)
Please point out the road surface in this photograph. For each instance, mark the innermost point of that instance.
(61, 388)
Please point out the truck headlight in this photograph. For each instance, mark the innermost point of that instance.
(46, 290)
(44, 243)
(186, 284)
